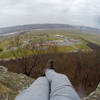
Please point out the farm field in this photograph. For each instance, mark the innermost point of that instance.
(64, 41)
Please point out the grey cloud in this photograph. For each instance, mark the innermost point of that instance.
(77, 12)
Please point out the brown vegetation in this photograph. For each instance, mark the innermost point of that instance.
(83, 69)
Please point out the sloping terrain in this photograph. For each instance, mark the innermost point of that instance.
(11, 83)
(81, 68)
(79, 60)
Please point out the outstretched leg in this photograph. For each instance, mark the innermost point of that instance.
(61, 88)
(39, 90)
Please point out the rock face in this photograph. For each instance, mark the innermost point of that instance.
(11, 84)
(94, 95)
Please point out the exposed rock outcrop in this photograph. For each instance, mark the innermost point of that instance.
(94, 95)
(11, 83)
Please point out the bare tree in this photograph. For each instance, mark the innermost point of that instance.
(30, 53)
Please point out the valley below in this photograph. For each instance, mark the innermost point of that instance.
(76, 53)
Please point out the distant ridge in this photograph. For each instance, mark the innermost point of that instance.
(29, 27)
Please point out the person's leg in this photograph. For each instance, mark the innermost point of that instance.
(61, 88)
(39, 90)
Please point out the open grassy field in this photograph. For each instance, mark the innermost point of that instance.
(95, 38)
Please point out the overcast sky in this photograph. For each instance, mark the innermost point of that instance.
(75, 12)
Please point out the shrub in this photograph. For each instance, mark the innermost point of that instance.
(1, 49)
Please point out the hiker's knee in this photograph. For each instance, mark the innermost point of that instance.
(62, 75)
(42, 78)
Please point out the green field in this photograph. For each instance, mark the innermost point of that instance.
(6, 43)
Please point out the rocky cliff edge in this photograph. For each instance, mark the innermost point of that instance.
(12, 83)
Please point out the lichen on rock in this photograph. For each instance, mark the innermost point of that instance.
(12, 83)
(94, 95)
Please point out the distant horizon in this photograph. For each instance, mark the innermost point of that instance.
(48, 24)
